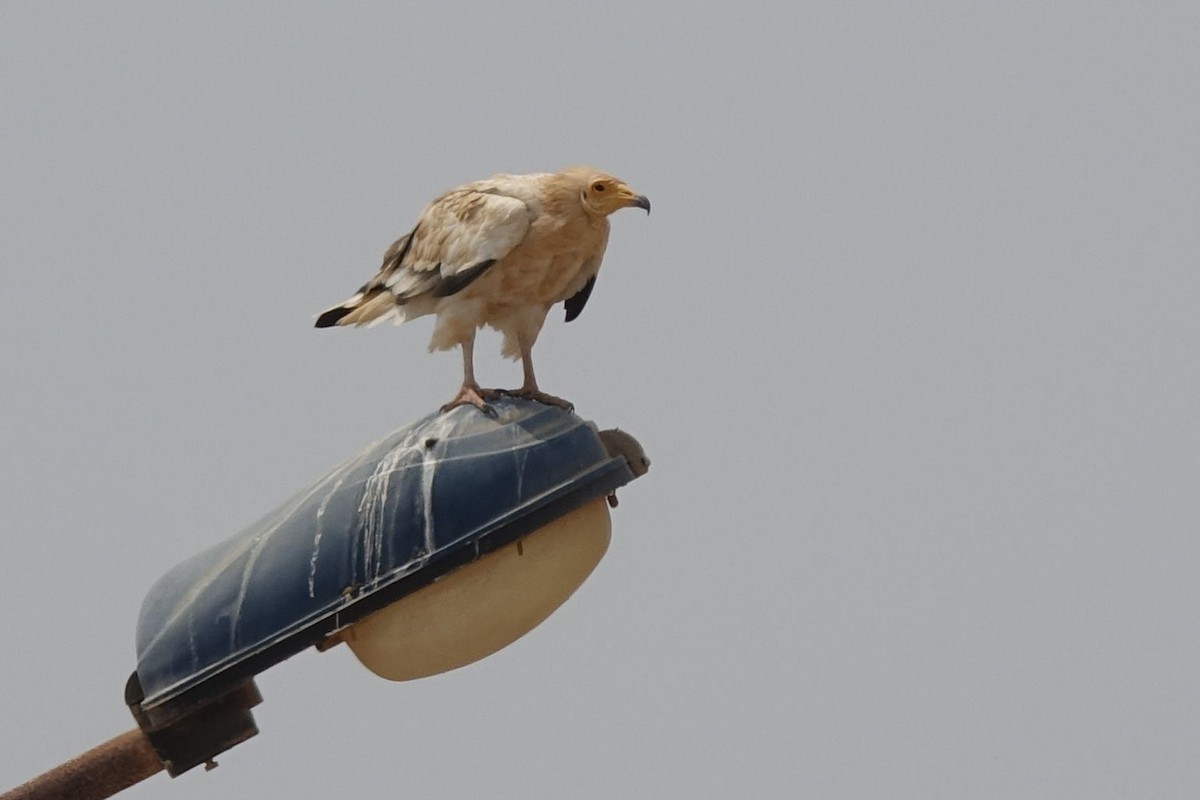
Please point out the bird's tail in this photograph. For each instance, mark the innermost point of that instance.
(366, 307)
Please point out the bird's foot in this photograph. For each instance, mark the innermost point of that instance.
(475, 396)
(538, 395)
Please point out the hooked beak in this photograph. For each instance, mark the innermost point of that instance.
(629, 198)
(632, 198)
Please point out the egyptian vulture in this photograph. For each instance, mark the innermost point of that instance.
(498, 252)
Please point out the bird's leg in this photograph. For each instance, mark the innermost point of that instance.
(529, 389)
(470, 391)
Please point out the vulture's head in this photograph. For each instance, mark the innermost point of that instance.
(603, 194)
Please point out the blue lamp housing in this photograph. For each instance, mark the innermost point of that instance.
(447, 492)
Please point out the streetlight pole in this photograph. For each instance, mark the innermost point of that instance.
(100, 772)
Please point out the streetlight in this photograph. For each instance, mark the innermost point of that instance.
(430, 549)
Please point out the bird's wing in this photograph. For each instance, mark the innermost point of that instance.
(575, 303)
(591, 267)
(456, 239)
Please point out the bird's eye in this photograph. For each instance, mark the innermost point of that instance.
(598, 187)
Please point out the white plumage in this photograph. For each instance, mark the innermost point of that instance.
(498, 252)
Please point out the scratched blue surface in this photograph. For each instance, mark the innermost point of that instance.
(395, 508)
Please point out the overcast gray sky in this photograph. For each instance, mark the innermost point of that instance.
(910, 339)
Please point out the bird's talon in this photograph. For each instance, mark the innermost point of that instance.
(473, 395)
(539, 396)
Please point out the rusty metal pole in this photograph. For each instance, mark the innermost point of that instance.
(100, 772)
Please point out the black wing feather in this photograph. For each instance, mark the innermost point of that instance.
(575, 303)
(452, 284)
(332, 316)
